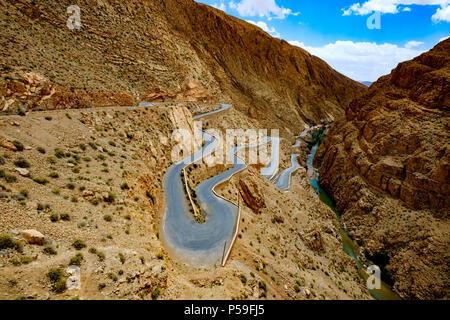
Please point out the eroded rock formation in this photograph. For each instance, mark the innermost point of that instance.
(387, 166)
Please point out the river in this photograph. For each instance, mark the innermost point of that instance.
(349, 245)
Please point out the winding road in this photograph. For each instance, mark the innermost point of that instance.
(208, 243)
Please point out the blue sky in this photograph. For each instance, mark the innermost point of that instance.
(338, 30)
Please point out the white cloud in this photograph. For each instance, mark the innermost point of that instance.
(413, 44)
(395, 6)
(442, 14)
(444, 38)
(265, 27)
(363, 61)
(261, 8)
(220, 6)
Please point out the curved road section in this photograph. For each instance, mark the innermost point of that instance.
(284, 179)
(201, 244)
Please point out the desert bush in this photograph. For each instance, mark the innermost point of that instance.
(10, 178)
(54, 175)
(49, 250)
(54, 217)
(19, 145)
(65, 217)
(51, 160)
(76, 260)
(79, 244)
(24, 193)
(40, 180)
(56, 276)
(59, 153)
(70, 186)
(6, 242)
(22, 163)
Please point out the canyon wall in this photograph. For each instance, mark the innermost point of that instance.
(387, 166)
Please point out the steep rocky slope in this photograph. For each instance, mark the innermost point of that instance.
(387, 166)
(159, 50)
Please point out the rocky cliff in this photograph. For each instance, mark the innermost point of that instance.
(387, 166)
(159, 50)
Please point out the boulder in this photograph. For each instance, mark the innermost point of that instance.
(8, 145)
(33, 236)
(23, 172)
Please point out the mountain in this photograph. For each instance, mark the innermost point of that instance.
(86, 186)
(160, 50)
(387, 166)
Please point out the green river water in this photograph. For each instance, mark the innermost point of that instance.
(350, 246)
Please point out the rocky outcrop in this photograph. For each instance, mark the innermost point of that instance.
(251, 195)
(387, 166)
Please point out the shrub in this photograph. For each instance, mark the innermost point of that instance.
(65, 217)
(82, 146)
(59, 153)
(6, 242)
(51, 160)
(56, 276)
(76, 260)
(48, 118)
(49, 250)
(26, 260)
(24, 192)
(54, 217)
(160, 256)
(111, 197)
(107, 218)
(156, 292)
(79, 244)
(95, 201)
(10, 178)
(40, 180)
(121, 258)
(76, 169)
(19, 145)
(243, 278)
(70, 186)
(2, 160)
(41, 150)
(54, 175)
(22, 163)
(41, 207)
(124, 186)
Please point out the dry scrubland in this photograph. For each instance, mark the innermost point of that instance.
(93, 188)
